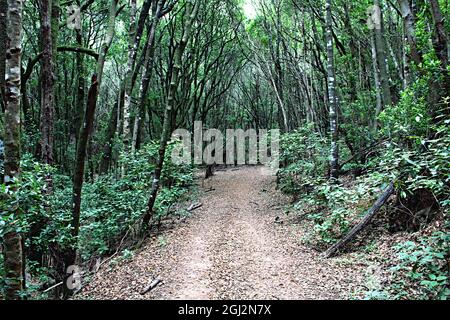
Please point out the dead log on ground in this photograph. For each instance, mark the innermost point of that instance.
(151, 286)
(194, 206)
(364, 222)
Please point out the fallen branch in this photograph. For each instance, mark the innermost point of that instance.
(194, 206)
(151, 286)
(364, 222)
(53, 287)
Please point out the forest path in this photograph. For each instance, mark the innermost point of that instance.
(230, 248)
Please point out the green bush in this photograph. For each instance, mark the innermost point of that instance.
(30, 197)
(110, 206)
(304, 155)
(422, 268)
(410, 117)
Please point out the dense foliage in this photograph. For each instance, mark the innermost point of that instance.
(91, 91)
(111, 208)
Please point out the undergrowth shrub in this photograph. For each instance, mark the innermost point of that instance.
(410, 117)
(303, 157)
(420, 270)
(413, 150)
(110, 205)
(333, 209)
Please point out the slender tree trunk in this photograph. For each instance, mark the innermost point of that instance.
(410, 31)
(13, 252)
(70, 256)
(115, 123)
(191, 13)
(441, 37)
(145, 11)
(105, 163)
(146, 75)
(376, 75)
(441, 47)
(407, 77)
(48, 18)
(279, 82)
(396, 62)
(55, 15)
(79, 109)
(332, 100)
(132, 48)
(3, 26)
(47, 84)
(382, 58)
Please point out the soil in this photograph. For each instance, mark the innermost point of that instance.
(239, 245)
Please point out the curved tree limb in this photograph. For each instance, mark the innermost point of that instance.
(32, 62)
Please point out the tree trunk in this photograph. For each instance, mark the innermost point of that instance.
(132, 48)
(364, 222)
(410, 31)
(376, 76)
(440, 38)
(79, 108)
(146, 74)
(3, 26)
(382, 58)
(48, 18)
(105, 163)
(191, 13)
(70, 258)
(70, 255)
(279, 79)
(47, 84)
(145, 11)
(440, 44)
(115, 121)
(332, 100)
(13, 257)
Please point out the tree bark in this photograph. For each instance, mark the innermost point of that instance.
(79, 110)
(81, 154)
(332, 99)
(132, 49)
(3, 26)
(114, 122)
(49, 17)
(410, 31)
(47, 84)
(105, 163)
(376, 76)
(145, 11)
(382, 58)
(441, 47)
(279, 78)
(13, 252)
(441, 36)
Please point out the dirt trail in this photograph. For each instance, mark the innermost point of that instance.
(230, 248)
